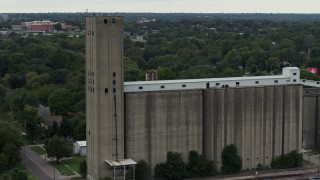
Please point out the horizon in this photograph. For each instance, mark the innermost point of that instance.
(165, 6)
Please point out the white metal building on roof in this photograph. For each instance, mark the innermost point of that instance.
(290, 75)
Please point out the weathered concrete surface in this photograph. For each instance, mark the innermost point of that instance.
(311, 118)
(158, 122)
(263, 122)
(104, 93)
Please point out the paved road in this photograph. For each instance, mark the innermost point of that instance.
(38, 166)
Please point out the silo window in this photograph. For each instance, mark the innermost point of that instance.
(237, 83)
(114, 74)
(294, 74)
(257, 82)
(162, 86)
(114, 90)
(113, 21)
(294, 80)
(275, 81)
(318, 82)
(183, 85)
(140, 87)
(106, 90)
(114, 81)
(106, 21)
(217, 84)
(208, 85)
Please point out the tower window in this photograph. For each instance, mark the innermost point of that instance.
(106, 90)
(257, 82)
(275, 81)
(114, 74)
(113, 21)
(294, 74)
(114, 89)
(106, 21)
(237, 83)
(183, 85)
(162, 86)
(217, 84)
(114, 81)
(294, 80)
(140, 87)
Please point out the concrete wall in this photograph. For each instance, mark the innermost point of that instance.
(158, 122)
(311, 118)
(263, 122)
(104, 93)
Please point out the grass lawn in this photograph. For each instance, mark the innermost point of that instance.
(19, 167)
(38, 150)
(62, 168)
(74, 163)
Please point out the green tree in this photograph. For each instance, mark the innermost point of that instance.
(198, 166)
(57, 148)
(174, 168)
(131, 70)
(59, 101)
(13, 154)
(3, 162)
(17, 101)
(79, 126)
(19, 175)
(57, 26)
(231, 161)
(165, 73)
(142, 170)
(65, 128)
(83, 168)
(9, 135)
(33, 121)
(54, 129)
(290, 160)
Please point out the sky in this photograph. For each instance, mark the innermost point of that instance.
(170, 6)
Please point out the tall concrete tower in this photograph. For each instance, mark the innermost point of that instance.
(104, 93)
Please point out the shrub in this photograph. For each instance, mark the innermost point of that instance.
(142, 170)
(231, 161)
(83, 168)
(289, 160)
(199, 167)
(3, 162)
(174, 168)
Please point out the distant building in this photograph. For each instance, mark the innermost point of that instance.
(145, 20)
(312, 70)
(80, 147)
(49, 119)
(44, 25)
(151, 75)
